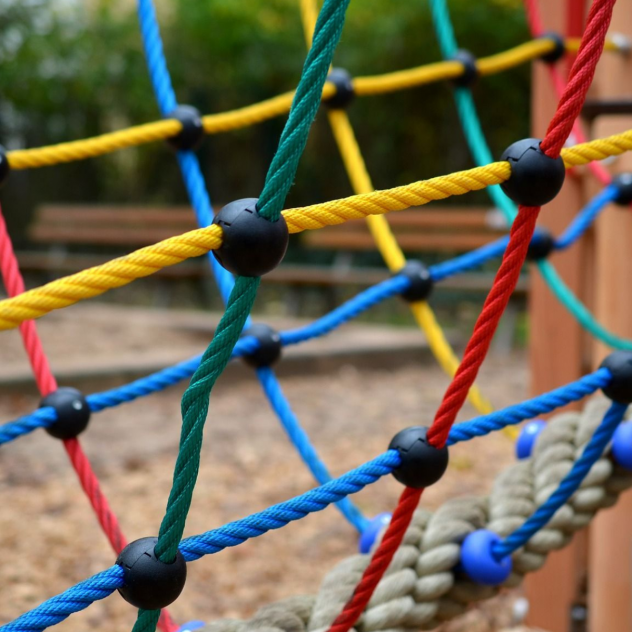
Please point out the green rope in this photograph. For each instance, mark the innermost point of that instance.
(195, 401)
(304, 107)
(482, 156)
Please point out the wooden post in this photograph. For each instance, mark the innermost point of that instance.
(557, 348)
(599, 272)
(610, 543)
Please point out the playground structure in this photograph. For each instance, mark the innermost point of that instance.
(262, 346)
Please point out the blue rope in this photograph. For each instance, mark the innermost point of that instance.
(301, 441)
(545, 403)
(39, 419)
(99, 586)
(469, 260)
(347, 311)
(585, 218)
(277, 516)
(199, 197)
(569, 485)
(73, 600)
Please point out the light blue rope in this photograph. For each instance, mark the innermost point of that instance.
(24, 425)
(75, 599)
(568, 486)
(540, 405)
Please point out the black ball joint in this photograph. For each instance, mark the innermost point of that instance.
(192, 131)
(149, 583)
(421, 282)
(73, 412)
(541, 246)
(252, 245)
(422, 464)
(559, 49)
(270, 346)
(535, 178)
(620, 365)
(343, 83)
(5, 167)
(470, 71)
(623, 184)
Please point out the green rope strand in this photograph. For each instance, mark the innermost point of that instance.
(304, 107)
(195, 401)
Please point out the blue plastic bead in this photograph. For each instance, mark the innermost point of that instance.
(372, 531)
(622, 445)
(191, 625)
(527, 438)
(478, 561)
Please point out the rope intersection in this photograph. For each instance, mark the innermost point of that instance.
(413, 579)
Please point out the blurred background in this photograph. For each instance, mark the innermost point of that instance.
(76, 69)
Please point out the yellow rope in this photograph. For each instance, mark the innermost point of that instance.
(115, 273)
(276, 106)
(94, 281)
(381, 231)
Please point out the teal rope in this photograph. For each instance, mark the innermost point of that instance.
(304, 107)
(482, 156)
(195, 401)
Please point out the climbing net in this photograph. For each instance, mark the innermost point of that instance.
(423, 569)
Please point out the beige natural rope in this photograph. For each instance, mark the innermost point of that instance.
(421, 589)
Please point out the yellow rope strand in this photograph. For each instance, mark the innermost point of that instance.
(383, 236)
(94, 281)
(115, 273)
(276, 106)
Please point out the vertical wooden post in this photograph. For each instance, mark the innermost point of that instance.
(610, 544)
(556, 347)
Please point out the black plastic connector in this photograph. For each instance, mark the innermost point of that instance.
(623, 183)
(270, 347)
(252, 245)
(422, 464)
(421, 282)
(343, 83)
(620, 365)
(73, 412)
(147, 582)
(470, 70)
(5, 167)
(541, 246)
(560, 47)
(192, 132)
(535, 178)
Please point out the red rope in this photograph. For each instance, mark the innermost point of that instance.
(46, 383)
(485, 327)
(391, 541)
(580, 77)
(568, 108)
(536, 27)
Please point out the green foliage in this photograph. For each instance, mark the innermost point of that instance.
(73, 69)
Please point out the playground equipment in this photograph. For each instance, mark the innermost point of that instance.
(424, 569)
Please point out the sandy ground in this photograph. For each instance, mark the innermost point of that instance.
(49, 538)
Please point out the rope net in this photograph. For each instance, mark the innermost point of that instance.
(417, 576)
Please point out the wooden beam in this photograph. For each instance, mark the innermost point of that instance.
(556, 348)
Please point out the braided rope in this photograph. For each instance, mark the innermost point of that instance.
(249, 115)
(421, 588)
(146, 261)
